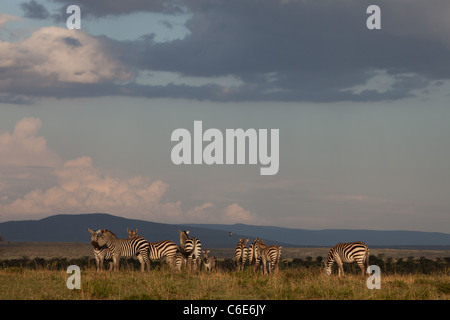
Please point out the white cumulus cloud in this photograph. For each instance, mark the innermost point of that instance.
(52, 54)
(23, 147)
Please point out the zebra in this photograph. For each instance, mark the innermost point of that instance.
(348, 253)
(209, 262)
(159, 249)
(252, 253)
(179, 261)
(100, 252)
(255, 252)
(136, 246)
(240, 254)
(191, 248)
(271, 256)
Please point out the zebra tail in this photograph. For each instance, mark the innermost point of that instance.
(366, 259)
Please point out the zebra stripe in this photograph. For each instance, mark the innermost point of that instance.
(258, 247)
(159, 249)
(240, 254)
(179, 261)
(348, 253)
(100, 252)
(191, 248)
(252, 253)
(271, 256)
(136, 246)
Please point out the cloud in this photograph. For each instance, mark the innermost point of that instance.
(5, 18)
(234, 213)
(308, 50)
(34, 10)
(82, 188)
(55, 58)
(23, 148)
(35, 182)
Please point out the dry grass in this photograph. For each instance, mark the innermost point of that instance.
(296, 283)
(163, 284)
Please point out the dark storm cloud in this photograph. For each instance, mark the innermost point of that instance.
(34, 10)
(282, 50)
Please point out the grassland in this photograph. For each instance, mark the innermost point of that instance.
(40, 279)
(163, 284)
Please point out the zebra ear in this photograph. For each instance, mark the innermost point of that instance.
(135, 230)
(128, 230)
(91, 231)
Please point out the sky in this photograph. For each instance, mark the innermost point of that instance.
(86, 115)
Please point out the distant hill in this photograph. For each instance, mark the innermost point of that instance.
(69, 228)
(327, 237)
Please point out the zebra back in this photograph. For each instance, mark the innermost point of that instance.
(164, 248)
(271, 256)
(190, 247)
(241, 251)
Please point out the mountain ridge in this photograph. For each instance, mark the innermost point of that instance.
(73, 227)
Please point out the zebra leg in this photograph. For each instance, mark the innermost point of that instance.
(97, 262)
(116, 260)
(263, 261)
(142, 262)
(361, 265)
(341, 268)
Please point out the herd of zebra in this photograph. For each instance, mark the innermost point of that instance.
(188, 254)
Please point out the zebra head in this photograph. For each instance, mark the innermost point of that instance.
(94, 238)
(184, 235)
(132, 233)
(243, 242)
(105, 236)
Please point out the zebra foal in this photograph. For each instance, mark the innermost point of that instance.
(209, 262)
(136, 246)
(348, 253)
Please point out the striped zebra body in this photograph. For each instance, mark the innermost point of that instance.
(164, 248)
(179, 261)
(160, 249)
(191, 248)
(136, 246)
(252, 253)
(270, 256)
(258, 247)
(348, 253)
(240, 254)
